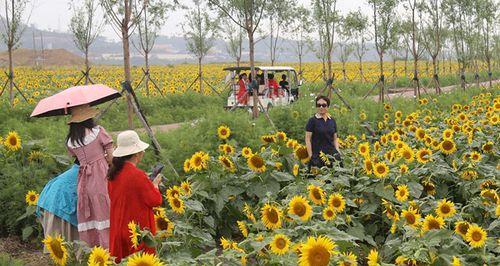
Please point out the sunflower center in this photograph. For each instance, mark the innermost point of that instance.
(197, 161)
(433, 224)
(226, 163)
(316, 194)
(410, 218)
(280, 243)
(445, 209)
(329, 213)
(463, 228)
(32, 197)
(177, 203)
(477, 236)
(162, 224)
(257, 161)
(299, 209)
(402, 193)
(380, 169)
(272, 216)
(447, 145)
(336, 202)
(223, 132)
(319, 256)
(55, 245)
(99, 260)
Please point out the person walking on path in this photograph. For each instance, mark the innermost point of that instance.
(321, 135)
(93, 147)
(132, 195)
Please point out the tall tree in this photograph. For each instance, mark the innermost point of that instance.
(433, 36)
(200, 31)
(487, 20)
(301, 27)
(247, 14)
(234, 41)
(152, 18)
(280, 16)
(359, 24)
(13, 29)
(383, 22)
(458, 15)
(123, 16)
(327, 19)
(346, 45)
(85, 27)
(415, 33)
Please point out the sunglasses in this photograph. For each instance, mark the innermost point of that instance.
(324, 105)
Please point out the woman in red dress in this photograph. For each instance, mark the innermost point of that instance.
(274, 87)
(132, 195)
(242, 93)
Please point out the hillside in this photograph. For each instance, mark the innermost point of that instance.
(50, 57)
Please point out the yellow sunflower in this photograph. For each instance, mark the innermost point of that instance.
(402, 193)
(448, 146)
(445, 208)
(174, 192)
(456, 261)
(143, 259)
(243, 228)
(389, 210)
(380, 170)
(329, 213)
(57, 249)
(223, 132)
(475, 156)
(133, 229)
(186, 188)
(317, 251)
(316, 195)
(227, 163)
(476, 236)
(301, 154)
(407, 153)
(411, 217)
(199, 161)
(337, 202)
(448, 133)
(487, 147)
(281, 136)
(295, 170)
(267, 139)
(99, 257)
(368, 166)
(187, 165)
(364, 149)
(164, 224)
(461, 228)
(497, 210)
(300, 207)
(280, 244)
(429, 187)
(249, 213)
(256, 163)
(373, 258)
(403, 169)
(348, 259)
(424, 155)
(32, 198)
(420, 133)
(246, 152)
(271, 216)
(12, 141)
(177, 205)
(432, 223)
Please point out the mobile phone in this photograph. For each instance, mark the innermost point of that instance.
(156, 170)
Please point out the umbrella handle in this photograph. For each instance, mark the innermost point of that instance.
(66, 109)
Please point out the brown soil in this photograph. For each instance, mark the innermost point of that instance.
(50, 57)
(30, 253)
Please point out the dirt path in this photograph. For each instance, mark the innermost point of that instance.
(156, 129)
(30, 253)
(408, 92)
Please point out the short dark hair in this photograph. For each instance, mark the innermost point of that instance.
(283, 76)
(323, 97)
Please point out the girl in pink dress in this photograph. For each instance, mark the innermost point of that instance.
(93, 147)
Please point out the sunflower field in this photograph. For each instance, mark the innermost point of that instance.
(37, 84)
(423, 190)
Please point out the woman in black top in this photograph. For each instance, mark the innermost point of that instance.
(321, 135)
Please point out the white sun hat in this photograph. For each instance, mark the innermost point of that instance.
(128, 143)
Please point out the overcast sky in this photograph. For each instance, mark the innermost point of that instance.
(55, 15)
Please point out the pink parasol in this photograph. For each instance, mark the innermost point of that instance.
(59, 103)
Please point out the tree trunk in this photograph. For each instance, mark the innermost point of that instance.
(361, 75)
(344, 74)
(406, 64)
(330, 72)
(87, 67)
(238, 60)
(271, 39)
(416, 81)
(200, 75)
(255, 110)
(300, 66)
(394, 73)
(146, 78)
(488, 62)
(126, 69)
(382, 78)
(11, 77)
(435, 61)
